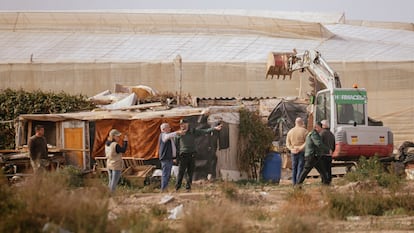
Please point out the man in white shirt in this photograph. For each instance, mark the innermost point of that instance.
(167, 152)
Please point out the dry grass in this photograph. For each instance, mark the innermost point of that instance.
(214, 217)
(303, 211)
(139, 222)
(68, 201)
(48, 199)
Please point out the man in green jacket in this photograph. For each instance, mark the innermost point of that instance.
(187, 151)
(313, 155)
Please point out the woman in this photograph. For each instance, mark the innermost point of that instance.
(114, 157)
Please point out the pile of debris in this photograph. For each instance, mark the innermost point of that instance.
(138, 97)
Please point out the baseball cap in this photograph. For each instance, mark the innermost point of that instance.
(114, 132)
(325, 122)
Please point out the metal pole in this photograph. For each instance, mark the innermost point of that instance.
(178, 58)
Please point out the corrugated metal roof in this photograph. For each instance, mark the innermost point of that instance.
(122, 115)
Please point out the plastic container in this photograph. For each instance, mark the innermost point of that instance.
(272, 168)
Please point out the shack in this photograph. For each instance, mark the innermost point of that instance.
(80, 137)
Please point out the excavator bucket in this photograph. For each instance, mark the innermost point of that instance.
(278, 64)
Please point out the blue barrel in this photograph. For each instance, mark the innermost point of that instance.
(272, 167)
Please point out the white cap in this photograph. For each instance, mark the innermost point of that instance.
(325, 123)
(114, 132)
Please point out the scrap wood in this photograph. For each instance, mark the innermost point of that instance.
(140, 106)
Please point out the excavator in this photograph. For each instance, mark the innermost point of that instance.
(344, 108)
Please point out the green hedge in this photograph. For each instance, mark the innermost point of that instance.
(16, 102)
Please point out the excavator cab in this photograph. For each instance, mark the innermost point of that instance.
(342, 106)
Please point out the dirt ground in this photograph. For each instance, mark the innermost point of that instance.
(267, 198)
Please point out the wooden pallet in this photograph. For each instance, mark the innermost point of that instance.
(137, 175)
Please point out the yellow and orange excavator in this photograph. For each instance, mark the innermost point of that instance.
(344, 108)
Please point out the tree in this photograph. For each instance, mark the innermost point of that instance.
(255, 140)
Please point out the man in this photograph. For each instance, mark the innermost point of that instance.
(167, 152)
(38, 151)
(187, 151)
(313, 151)
(295, 142)
(328, 138)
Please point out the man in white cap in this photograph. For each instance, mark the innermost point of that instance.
(328, 138)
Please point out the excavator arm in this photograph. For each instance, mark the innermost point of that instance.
(284, 64)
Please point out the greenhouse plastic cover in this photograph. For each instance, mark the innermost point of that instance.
(219, 36)
(219, 49)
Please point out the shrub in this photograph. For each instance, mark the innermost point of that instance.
(255, 139)
(72, 176)
(16, 102)
(49, 199)
(373, 170)
(342, 205)
(218, 217)
(292, 223)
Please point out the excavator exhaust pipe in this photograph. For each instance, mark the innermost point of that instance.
(279, 64)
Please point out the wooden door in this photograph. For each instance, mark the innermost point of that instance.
(74, 145)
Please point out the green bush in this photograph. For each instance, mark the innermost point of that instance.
(372, 170)
(16, 102)
(342, 205)
(72, 175)
(255, 140)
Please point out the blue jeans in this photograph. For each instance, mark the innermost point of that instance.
(114, 176)
(298, 161)
(166, 166)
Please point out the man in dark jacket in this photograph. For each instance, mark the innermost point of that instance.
(313, 151)
(187, 151)
(39, 157)
(328, 138)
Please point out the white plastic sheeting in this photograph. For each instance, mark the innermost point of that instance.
(54, 37)
(223, 54)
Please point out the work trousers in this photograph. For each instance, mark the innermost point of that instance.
(327, 163)
(39, 165)
(186, 166)
(317, 162)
